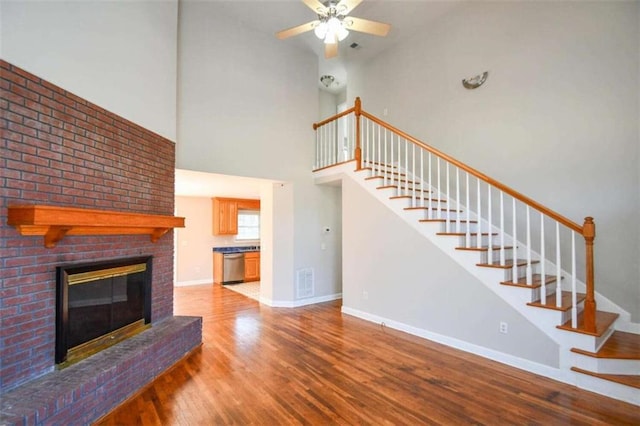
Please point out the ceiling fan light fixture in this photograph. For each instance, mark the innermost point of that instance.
(321, 30)
(331, 38)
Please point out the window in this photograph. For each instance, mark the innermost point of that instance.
(248, 225)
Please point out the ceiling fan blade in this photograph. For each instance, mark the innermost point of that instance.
(366, 26)
(330, 50)
(316, 6)
(297, 30)
(346, 6)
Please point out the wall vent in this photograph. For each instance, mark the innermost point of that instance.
(304, 283)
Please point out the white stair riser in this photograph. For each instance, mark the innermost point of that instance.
(607, 366)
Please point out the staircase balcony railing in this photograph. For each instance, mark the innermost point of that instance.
(487, 214)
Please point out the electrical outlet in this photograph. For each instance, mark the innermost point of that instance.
(504, 328)
(365, 294)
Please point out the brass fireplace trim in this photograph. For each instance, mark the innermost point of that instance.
(85, 277)
(85, 350)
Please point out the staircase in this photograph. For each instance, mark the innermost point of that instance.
(526, 253)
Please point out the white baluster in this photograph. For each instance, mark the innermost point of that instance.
(489, 225)
(514, 267)
(438, 183)
(421, 177)
(543, 281)
(431, 191)
(399, 164)
(332, 130)
(479, 208)
(446, 214)
(529, 269)
(458, 200)
(391, 155)
(324, 146)
(558, 268)
(413, 174)
(366, 143)
(317, 163)
(379, 158)
(386, 164)
(574, 307)
(406, 167)
(468, 207)
(503, 259)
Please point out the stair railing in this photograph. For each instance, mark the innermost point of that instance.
(447, 190)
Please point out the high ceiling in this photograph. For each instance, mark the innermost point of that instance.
(270, 16)
(405, 16)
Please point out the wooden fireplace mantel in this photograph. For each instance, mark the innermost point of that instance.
(54, 223)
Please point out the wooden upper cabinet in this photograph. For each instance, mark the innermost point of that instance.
(225, 214)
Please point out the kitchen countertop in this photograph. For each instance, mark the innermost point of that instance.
(236, 249)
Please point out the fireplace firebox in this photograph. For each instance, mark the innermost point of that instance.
(100, 304)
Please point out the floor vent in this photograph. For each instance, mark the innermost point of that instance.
(304, 283)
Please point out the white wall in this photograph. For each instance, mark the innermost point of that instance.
(410, 281)
(557, 119)
(120, 55)
(246, 106)
(328, 104)
(194, 256)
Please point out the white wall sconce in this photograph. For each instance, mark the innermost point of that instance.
(475, 82)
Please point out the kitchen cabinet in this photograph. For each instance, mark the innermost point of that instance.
(225, 213)
(217, 267)
(252, 266)
(225, 216)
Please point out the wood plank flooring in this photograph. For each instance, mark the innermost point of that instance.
(315, 366)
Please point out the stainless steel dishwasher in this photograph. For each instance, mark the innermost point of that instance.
(232, 268)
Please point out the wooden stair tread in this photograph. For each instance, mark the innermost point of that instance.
(484, 248)
(603, 322)
(400, 186)
(462, 234)
(628, 380)
(395, 179)
(621, 345)
(565, 304)
(377, 163)
(536, 281)
(507, 264)
(434, 209)
(451, 221)
(435, 200)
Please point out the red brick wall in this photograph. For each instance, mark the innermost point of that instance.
(59, 149)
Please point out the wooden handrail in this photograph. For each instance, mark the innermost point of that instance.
(333, 118)
(504, 188)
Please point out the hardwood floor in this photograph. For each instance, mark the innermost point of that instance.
(315, 366)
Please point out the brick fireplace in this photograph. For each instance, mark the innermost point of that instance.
(59, 149)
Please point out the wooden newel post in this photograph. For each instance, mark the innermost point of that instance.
(358, 153)
(589, 232)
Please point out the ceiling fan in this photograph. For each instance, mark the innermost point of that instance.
(333, 24)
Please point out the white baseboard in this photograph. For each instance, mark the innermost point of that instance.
(629, 327)
(300, 302)
(193, 282)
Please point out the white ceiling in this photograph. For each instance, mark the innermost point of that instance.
(405, 16)
(199, 184)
